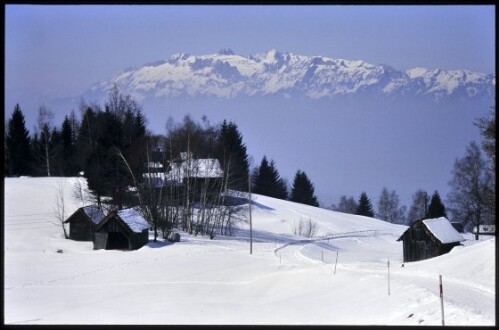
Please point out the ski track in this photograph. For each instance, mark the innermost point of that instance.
(453, 291)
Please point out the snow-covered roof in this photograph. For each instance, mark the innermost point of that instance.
(133, 219)
(195, 168)
(188, 168)
(155, 165)
(94, 213)
(442, 229)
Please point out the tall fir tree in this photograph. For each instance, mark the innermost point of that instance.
(111, 146)
(280, 189)
(302, 190)
(233, 157)
(268, 181)
(69, 167)
(436, 208)
(18, 144)
(57, 162)
(365, 207)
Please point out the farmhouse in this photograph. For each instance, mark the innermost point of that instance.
(201, 177)
(83, 222)
(122, 230)
(428, 238)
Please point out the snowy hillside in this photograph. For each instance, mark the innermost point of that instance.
(287, 280)
(228, 75)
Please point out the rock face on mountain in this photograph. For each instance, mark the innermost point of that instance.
(227, 75)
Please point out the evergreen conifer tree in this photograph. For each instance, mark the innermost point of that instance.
(18, 144)
(436, 208)
(233, 157)
(303, 190)
(67, 135)
(268, 181)
(280, 189)
(365, 207)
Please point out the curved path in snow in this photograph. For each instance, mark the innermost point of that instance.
(457, 293)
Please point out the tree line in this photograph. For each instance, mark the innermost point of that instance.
(471, 200)
(112, 148)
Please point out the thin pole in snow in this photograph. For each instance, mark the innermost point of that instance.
(336, 262)
(251, 222)
(322, 255)
(388, 276)
(441, 298)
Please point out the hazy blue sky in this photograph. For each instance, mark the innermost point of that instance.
(60, 51)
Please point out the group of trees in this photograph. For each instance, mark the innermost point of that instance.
(267, 181)
(472, 197)
(49, 151)
(471, 200)
(112, 148)
(199, 205)
(389, 209)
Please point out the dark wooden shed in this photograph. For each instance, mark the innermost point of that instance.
(428, 238)
(121, 230)
(83, 222)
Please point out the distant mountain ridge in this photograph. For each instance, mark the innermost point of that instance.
(228, 75)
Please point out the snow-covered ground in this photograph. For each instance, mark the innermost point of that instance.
(287, 280)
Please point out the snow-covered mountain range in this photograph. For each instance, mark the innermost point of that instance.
(228, 75)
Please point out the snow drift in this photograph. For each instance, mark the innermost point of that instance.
(287, 280)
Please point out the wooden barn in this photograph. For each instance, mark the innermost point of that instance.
(428, 238)
(121, 230)
(83, 222)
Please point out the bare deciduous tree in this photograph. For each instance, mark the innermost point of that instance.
(419, 206)
(389, 209)
(304, 228)
(45, 118)
(470, 186)
(60, 207)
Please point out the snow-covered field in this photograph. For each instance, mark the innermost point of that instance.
(287, 280)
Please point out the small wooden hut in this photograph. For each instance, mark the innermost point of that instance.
(121, 230)
(428, 238)
(83, 222)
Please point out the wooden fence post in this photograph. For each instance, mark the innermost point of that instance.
(441, 298)
(388, 276)
(336, 262)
